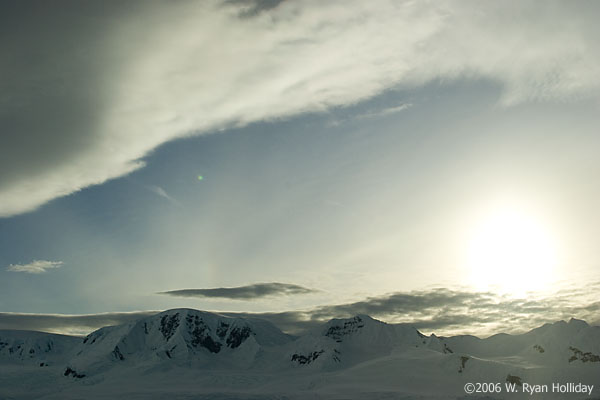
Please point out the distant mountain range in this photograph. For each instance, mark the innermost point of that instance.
(185, 353)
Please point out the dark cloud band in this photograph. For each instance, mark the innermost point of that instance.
(441, 310)
(248, 292)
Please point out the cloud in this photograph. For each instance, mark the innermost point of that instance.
(384, 112)
(35, 267)
(89, 89)
(449, 312)
(68, 324)
(162, 193)
(439, 310)
(376, 113)
(292, 322)
(248, 292)
(456, 311)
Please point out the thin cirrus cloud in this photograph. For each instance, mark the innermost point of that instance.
(68, 324)
(248, 292)
(439, 310)
(111, 82)
(384, 112)
(35, 267)
(162, 193)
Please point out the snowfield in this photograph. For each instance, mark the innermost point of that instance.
(189, 354)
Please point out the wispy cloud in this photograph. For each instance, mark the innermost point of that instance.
(35, 267)
(162, 193)
(248, 292)
(68, 324)
(375, 113)
(142, 85)
(384, 112)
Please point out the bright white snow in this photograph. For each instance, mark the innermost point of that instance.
(185, 354)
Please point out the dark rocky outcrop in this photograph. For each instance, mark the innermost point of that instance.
(117, 354)
(306, 359)
(237, 336)
(168, 325)
(337, 332)
(538, 348)
(463, 363)
(222, 330)
(514, 379)
(447, 349)
(583, 357)
(200, 334)
(71, 372)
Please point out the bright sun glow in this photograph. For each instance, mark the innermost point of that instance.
(512, 252)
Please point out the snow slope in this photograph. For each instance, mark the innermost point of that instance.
(181, 337)
(35, 348)
(186, 353)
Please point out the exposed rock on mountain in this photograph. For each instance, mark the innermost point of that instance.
(208, 353)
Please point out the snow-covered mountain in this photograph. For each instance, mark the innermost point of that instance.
(182, 337)
(344, 342)
(189, 353)
(558, 343)
(29, 348)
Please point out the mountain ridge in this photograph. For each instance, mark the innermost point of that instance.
(228, 350)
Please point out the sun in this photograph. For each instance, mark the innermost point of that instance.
(512, 252)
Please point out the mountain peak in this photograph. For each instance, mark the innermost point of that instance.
(182, 336)
(578, 322)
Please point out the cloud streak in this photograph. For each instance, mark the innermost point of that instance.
(68, 324)
(384, 112)
(110, 83)
(248, 292)
(162, 193)
(456, 311)
(35, 267)
(440, 310)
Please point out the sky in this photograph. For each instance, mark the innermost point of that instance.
(421, 162)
